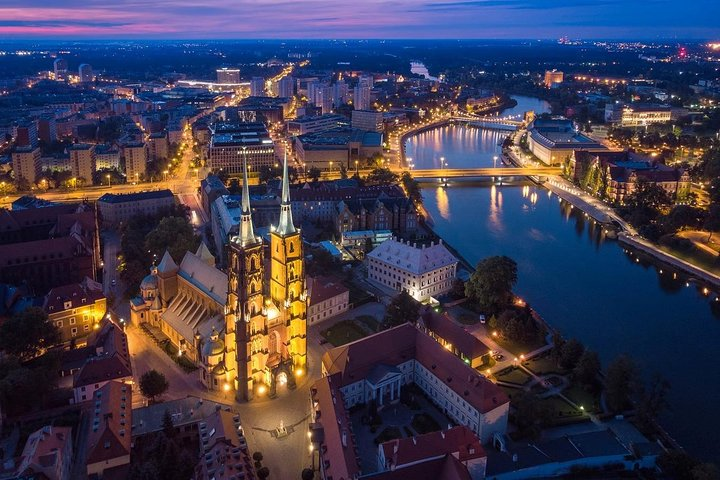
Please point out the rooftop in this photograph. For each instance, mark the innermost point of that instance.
(411, 258)
(135, 197)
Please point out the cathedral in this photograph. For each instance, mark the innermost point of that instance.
(245, 329)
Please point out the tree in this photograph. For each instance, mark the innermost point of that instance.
(269, 173)
(307, 474)
(490, 285)
(314, 174)
(648, 195)
(168, 427)
(382, 176)
(571, 353)
(587, 369)
(343, 171)
(712, 220)
(530, 414)
(174, 234)
(411, 187)
(652, 400)
(153, 384)
(403, 308)
(677, 464)
(683, 216)
(28, 333)
(263, 473)
(620, 383)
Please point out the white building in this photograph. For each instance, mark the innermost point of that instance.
(423, 272)
(327, 299)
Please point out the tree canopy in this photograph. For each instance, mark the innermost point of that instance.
(153, 384)
(490, 285)
(403, 308)
(620, 383)
(28, 333)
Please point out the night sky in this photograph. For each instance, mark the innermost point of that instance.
(310, 19)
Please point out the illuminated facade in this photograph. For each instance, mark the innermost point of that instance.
(265, 327)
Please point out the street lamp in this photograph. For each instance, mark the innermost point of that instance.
(165, 173)
(108, 177)
(356, 168)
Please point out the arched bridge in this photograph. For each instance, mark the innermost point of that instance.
(486, 172)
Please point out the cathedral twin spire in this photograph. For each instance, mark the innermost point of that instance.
(285, 226)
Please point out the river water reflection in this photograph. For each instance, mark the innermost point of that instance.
(585, 285)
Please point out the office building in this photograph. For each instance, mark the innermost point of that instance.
(554, 140)
(340, 93)
(638, 115)
(553, 78)
(26, 164)
(305, 125)
(60, 68)
(368, 120)
(82, 162)
(136, 159)
(257, 87)
(231, 142)
(115, 209)
(228, 76)
(85, 72)
(324, 98)
(331, 148)
(422, 271)
(361, 93)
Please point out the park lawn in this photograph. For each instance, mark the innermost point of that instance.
(580, 396)
(562, 412)
(423, 423)
(543, 365)
(369, 321)
(518, 348)
(343, 332)
(515, 376)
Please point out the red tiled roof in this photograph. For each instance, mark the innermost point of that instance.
(109, 432)
(443, 468)
(457, 441)
(323, 288)
(111, 360)
(341, 460)
(353, 362)
(444, 327)
(88, 290)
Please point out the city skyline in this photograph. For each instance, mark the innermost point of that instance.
(316, 19)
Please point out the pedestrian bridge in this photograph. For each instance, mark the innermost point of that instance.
(493, 123)
(446, 173)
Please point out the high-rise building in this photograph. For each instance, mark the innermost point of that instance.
(85, 72)
(265, 338)
(312, 88)
(368, 120)
(26, 163)
(135, 161)
(257, 87)
(231, 142)
(26, 134)
(340, 93)
(228, 75)
(83, 162)
(324, 99)
(60, 68)
(553, 78)
(286, 86)
(361, 93)
(47, 128)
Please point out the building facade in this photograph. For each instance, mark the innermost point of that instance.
(115, 209)
(231, 142)
(423, 272)
(368, 120)
(136, 159)
(76, 309)
(83, 162)
(328, 298)
(26, 164)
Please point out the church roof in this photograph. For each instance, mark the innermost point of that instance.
(167, 265)
(205, 277)
(204, 254)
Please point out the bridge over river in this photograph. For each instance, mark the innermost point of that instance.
(447, 173)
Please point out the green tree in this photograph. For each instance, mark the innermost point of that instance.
(314, 174)
(174, 234)
(411, 187)
(490, 285)
(712, 220)
(683, 216)
(652, 400)
(343, 171)
(530, 414)
(382, 176)
(28, 333)
(403, 308)
(263, 473)
(587, 369)
(307, 474)
(153, 384)
(620, 383)
(571, 353)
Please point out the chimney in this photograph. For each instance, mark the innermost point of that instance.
(515, 458)
(396, 445)
(414, 441)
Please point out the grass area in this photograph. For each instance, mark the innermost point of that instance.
(358, 296)
(580, 396)
(172, 351)
(423, 423)
(468, 318)
(543, 365)
(388, 433)
(513, 375)
(518, 348)
(343, 332)
(696, 257)
(369, 321)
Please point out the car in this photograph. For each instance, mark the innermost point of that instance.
(113, 283)
(482, 319)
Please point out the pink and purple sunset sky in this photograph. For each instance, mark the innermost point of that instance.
(315, 19)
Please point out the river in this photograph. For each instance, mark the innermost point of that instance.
(583, 284)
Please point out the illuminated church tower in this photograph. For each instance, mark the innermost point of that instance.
(265, 327)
